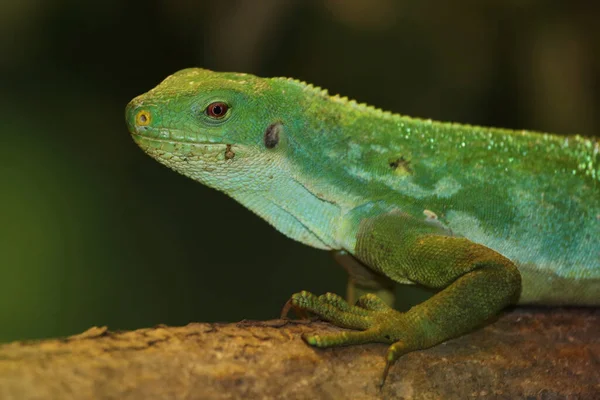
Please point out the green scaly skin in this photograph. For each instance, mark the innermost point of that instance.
(487, 216)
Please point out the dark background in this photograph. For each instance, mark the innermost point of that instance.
(94, 232)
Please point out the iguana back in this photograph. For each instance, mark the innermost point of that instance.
(533, 197)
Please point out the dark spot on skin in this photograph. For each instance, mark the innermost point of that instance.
(229, 154)
(272, 135)
(401, 163)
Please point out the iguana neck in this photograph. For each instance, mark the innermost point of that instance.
(295, 211)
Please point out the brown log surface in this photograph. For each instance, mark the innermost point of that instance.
(525, 354)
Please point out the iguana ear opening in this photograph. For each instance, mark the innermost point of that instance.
(272, 135)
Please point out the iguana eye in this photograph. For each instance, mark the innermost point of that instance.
(217, 110)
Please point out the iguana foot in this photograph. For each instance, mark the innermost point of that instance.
(373, 319)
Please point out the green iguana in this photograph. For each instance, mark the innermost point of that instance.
(488, 217)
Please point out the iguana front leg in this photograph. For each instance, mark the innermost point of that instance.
(363, 280)
(475, 281)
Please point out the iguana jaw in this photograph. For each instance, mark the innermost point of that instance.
(166, 136)
(164, 150)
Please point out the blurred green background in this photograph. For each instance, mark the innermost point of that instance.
(93, 232)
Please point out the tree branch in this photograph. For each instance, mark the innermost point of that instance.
(542, 353)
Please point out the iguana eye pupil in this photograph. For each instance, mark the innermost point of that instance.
(217, 109)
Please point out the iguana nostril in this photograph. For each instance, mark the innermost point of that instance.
(143, 118)
(138, 115)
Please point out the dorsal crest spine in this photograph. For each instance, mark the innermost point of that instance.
(317, 90)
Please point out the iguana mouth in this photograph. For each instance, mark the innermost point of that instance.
(166, 136)
(162, 149)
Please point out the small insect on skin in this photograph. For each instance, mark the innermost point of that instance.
(229, 154)
(401, 165)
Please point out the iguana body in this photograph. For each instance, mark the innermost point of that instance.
(452, 207)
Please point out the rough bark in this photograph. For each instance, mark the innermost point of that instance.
(537, 354)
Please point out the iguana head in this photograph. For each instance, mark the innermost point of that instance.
(245, 136)
(217, 128)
